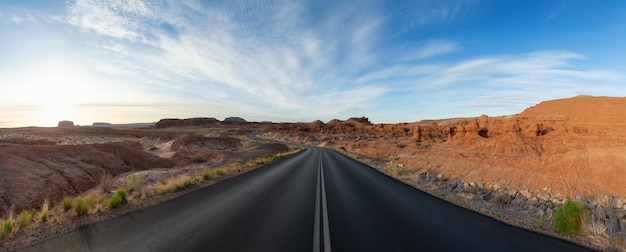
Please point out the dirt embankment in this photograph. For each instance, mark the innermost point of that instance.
(31, 173)
(50, 163)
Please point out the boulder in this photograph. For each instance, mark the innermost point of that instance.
(545, 196)
(511, 193)
(599, 213)
(617, 203)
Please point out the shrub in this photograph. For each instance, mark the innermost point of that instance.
(198, 158)
(115, 201)
(24, 219)
(122, 193)
(570, 217)
(206, 174)
(80, 206)
(43, 215)
(197, 179)
(7, 226)
(67, 203)
(220, 172)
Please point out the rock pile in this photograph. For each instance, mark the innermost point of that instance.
(606, 211)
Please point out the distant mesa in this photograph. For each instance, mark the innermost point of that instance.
(362, 120)
(101, 124)
(198, 121)
(65, 124)
(234, 120)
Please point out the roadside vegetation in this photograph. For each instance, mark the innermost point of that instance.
(570, 218)
(134, 188)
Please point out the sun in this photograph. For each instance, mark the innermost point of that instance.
(54, 91)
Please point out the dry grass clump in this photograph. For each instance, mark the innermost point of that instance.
(135, 183)
(45, 211)
(270, 158)
(105, 183)
(173, 185)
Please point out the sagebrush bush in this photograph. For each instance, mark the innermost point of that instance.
(115, 201)
(7, 226)
(220, 172)
(81, 206)
(570, 217)
(122, 193)
(67, 203)
(24, 219)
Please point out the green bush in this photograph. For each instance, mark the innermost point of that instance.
(115, 201)
(118, 198)
(7, 226)
(24, 219)
(220, 172)
(67, 203)
(206, 174)
(122, 193)
(81, 206)
(570, 217)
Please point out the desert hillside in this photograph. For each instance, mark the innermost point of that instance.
(39, 164)
(568, 147)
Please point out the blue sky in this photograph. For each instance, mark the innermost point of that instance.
(392, 61)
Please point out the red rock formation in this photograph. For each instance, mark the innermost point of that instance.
(31, 173)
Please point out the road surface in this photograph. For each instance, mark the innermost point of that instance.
(318, 200)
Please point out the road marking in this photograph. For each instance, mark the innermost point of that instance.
(316, 226)
(325, 210)
(324, 218)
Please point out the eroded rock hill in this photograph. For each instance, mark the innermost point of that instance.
(572, 146)
(32, 171)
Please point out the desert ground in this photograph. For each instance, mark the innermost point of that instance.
(518, 168)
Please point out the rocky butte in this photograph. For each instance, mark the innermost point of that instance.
(574, 146)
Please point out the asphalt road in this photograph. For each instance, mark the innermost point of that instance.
(318, 200)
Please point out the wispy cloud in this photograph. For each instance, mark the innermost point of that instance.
(299, 60)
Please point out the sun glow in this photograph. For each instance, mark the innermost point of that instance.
(54, 90)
